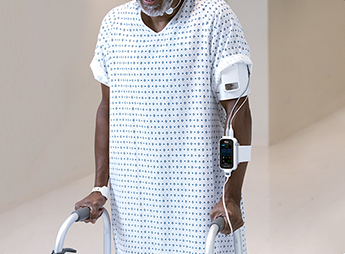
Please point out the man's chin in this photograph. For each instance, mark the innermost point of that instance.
(154, 8)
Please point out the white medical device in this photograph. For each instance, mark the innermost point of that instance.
(232, 153)
(234, 82)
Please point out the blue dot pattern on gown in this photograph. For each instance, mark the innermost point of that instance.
(165, 123)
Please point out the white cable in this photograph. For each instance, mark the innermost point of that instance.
(224, 205)
(232, 118)
(171, 9)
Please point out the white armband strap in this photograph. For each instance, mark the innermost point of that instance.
(103, 190)
(244, 153)
(232, 77)
(234, 82)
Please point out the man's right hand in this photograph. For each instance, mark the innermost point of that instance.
(95, 201)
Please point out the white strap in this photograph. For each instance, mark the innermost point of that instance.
(103, 190)
(244, 153)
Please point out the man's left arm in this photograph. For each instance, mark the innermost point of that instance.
(242, 126)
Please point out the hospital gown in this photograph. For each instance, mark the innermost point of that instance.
(165, 123)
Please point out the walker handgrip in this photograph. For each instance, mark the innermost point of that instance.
(220, 222)
(83, 213)
(216, 226)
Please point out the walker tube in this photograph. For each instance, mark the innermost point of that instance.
(106, 232)
(216, 226)
(238, 241)
(63, 231)
(79, 215)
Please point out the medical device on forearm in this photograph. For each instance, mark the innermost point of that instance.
(232, 153)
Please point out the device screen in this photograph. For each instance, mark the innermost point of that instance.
(226, 153)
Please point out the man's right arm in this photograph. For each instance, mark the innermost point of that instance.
(95, 200)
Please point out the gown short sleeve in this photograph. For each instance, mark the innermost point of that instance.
(229, 47)
(98, 64)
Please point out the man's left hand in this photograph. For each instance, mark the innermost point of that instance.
(235, 215)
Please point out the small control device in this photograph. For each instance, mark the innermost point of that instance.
(231, 154)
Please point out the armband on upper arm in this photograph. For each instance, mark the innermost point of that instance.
(234, 82)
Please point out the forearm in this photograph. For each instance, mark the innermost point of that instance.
(102, 144)
(95, 200)
(242, 126)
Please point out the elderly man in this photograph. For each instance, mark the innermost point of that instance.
(159, 122)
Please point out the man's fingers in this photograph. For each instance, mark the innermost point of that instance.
(95, 202)
(235, 223)
(97, 214)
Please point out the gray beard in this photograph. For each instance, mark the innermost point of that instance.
(151, 10)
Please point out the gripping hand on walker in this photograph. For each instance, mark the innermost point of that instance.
(235, 215)
(95, 201)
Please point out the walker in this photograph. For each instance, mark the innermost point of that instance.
(84, 213)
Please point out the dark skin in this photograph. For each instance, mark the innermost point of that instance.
(242, 130)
